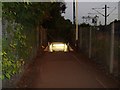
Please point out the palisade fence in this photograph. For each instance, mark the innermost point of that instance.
(102, 44)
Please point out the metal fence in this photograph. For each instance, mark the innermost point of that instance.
(102, 44)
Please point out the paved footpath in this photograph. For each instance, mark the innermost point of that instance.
(65, 70)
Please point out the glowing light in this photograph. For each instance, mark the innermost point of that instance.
(58, 47)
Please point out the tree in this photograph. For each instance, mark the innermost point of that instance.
(55, 10)
(23, 18)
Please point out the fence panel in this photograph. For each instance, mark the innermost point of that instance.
(102, 45)
(116, 67)
(84, 39)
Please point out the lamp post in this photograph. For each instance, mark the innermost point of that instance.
(76, 20)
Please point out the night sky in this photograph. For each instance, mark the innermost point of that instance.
(86, 7)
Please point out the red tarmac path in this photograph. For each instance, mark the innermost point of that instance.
(64, 70)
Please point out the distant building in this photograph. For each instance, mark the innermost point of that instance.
(119, 10)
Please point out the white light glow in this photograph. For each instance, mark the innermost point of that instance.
(58, 47)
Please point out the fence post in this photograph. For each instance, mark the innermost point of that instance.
(37, 31)
(90, 40)
(112, 48)
(80, 37)
(41, 36)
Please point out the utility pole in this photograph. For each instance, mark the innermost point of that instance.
(105, 15)
(74, 12)
(76, 20)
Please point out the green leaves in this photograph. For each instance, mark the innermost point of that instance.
(2, 77)
(20, 40)
(11, 51)
(7, 75)
(9, 66)
(0, 10)
(30, 13)
(16, 48)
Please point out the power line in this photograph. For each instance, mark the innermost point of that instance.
(94, 19)
(105, 13)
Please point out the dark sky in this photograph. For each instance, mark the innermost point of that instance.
(86, 7)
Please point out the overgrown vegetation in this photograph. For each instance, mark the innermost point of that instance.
(20, 20)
